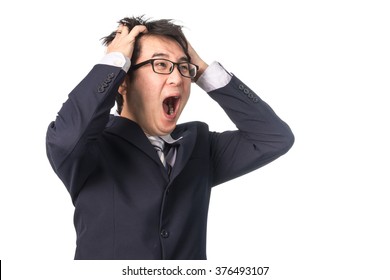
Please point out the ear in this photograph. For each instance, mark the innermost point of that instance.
(123, 87)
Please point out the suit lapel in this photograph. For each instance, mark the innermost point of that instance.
(132, 132)
(184, 147)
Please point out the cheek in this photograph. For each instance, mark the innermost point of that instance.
(147, 104)
(141, 98)
(135, 100)
(186, 96)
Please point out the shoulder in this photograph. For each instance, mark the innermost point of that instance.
(190, 127)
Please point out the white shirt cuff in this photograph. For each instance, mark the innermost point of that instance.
(214, 77)
(116, 59)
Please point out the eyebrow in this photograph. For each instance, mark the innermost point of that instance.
(182, 59)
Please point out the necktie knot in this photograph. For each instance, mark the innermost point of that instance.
(158, 145)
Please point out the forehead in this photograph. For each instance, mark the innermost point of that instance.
(163, 46)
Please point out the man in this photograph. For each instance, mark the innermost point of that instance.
(135, 195)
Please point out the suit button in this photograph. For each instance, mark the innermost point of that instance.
(101, 89)
(164, 233)
(111, 75)
(241, 87)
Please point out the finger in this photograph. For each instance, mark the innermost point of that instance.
(122, 31)
(118, 32)
(137, 30)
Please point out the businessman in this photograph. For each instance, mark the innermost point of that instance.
(140, 182)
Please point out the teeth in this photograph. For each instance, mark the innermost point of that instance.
(170, 102)
(170, 108)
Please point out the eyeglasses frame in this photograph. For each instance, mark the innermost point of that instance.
(151, 61)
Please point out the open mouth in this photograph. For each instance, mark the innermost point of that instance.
(170, 105)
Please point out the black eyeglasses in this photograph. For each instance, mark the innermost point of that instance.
(166, 67)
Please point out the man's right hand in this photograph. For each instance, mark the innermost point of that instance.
(124, 40)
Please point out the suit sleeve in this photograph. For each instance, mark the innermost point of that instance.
(71, 140)
(261, 136)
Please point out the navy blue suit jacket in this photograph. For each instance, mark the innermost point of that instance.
(126, 206)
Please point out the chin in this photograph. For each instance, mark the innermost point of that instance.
(167, 131)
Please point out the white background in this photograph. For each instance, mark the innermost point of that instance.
(319, 212)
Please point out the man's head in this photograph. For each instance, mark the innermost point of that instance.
(150, 95)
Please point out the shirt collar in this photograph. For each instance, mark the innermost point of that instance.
(168, 139)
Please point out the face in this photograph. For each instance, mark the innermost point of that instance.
(155, 101)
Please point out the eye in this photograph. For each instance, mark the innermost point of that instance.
(161, 65)
(184, 67)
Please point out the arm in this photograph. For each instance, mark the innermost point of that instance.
(261, 136)
(71, 140)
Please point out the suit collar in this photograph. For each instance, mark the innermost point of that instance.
(132, 132)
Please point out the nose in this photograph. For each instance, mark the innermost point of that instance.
(175, 77)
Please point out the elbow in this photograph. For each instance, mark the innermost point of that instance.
(288, 140)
